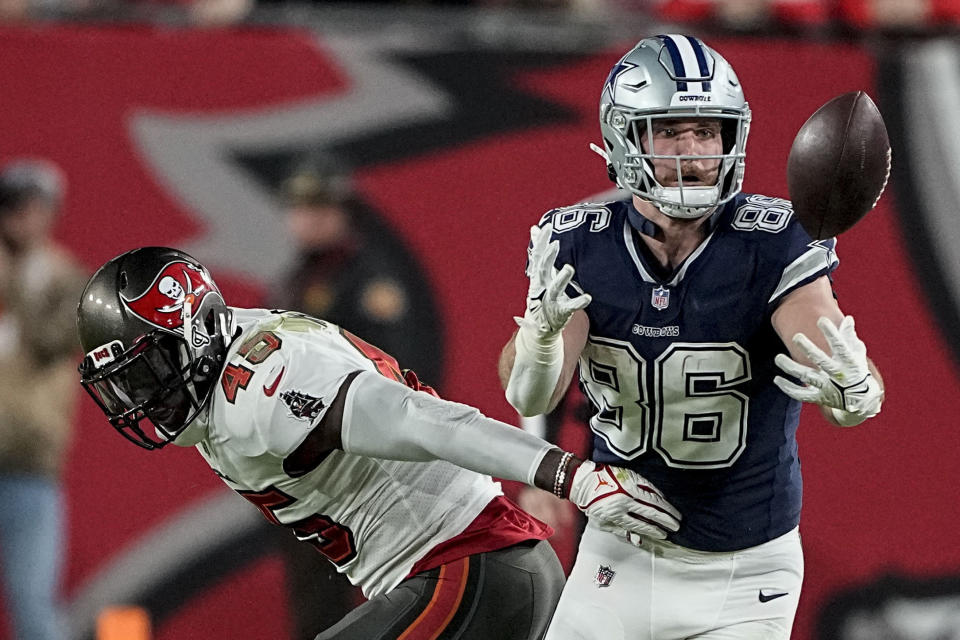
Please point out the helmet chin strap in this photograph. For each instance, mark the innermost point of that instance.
(188, 326)
(600, 152)
(686, 203)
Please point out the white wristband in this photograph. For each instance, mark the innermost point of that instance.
(535, 425)
(536, 370)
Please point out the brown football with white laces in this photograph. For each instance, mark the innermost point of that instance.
(838, 165)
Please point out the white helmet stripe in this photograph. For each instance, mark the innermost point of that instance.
(689, 62)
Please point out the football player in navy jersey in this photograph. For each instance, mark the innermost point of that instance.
(683, 306)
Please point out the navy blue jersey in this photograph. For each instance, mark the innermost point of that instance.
(679, 366)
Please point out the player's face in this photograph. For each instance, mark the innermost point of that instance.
(685, 137)
(140, 385)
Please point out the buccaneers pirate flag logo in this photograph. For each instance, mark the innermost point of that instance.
(162, 303)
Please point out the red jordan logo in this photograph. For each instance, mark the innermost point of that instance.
(601, 482)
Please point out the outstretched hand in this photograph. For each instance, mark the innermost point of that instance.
(622, 501)
(548, 306)
(842, 381)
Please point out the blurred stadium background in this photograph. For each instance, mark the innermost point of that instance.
(175, 122)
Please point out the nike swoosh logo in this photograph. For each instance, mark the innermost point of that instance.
(773, 596)
(272, 389)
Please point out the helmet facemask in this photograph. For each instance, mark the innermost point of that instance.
(637, 173)
(145, 383)
(159, 380)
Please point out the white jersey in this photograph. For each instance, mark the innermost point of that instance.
(373, 518)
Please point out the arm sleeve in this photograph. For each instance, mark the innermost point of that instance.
(538, 360)
(385, 419)
(537, 366)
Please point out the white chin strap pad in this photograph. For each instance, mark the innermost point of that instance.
(687, 202)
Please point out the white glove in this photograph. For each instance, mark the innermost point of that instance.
(841, 382)
(548, 306)
(622, 501)
(538, 360)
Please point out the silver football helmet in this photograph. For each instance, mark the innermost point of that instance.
(668, 77)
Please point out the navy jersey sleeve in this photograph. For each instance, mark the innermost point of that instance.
(805, 260)
(783, 247)
(569, 226)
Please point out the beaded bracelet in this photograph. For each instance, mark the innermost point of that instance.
(561, 475)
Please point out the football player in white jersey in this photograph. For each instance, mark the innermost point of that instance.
(682, 305)
(326, 435)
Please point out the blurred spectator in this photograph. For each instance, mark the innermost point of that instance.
(900, 15)
(190, 13)
(40, 286)
(338, 278)
(748, 14)
(14, 10)
(18, 11)
(349, 270)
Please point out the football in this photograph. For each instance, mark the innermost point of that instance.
(838, 165)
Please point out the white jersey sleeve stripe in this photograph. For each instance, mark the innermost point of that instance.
(818, 258)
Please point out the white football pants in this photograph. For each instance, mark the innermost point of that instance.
(660, 591)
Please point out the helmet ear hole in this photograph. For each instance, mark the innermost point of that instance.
(210, 322)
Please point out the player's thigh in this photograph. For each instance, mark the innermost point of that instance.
(508, 594)
(755, 630)
(378, 617)
(607, 581)
(764, 592)
(520, 591)
(659, 591)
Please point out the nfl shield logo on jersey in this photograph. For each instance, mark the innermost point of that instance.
(661, 298)
(604, 576)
